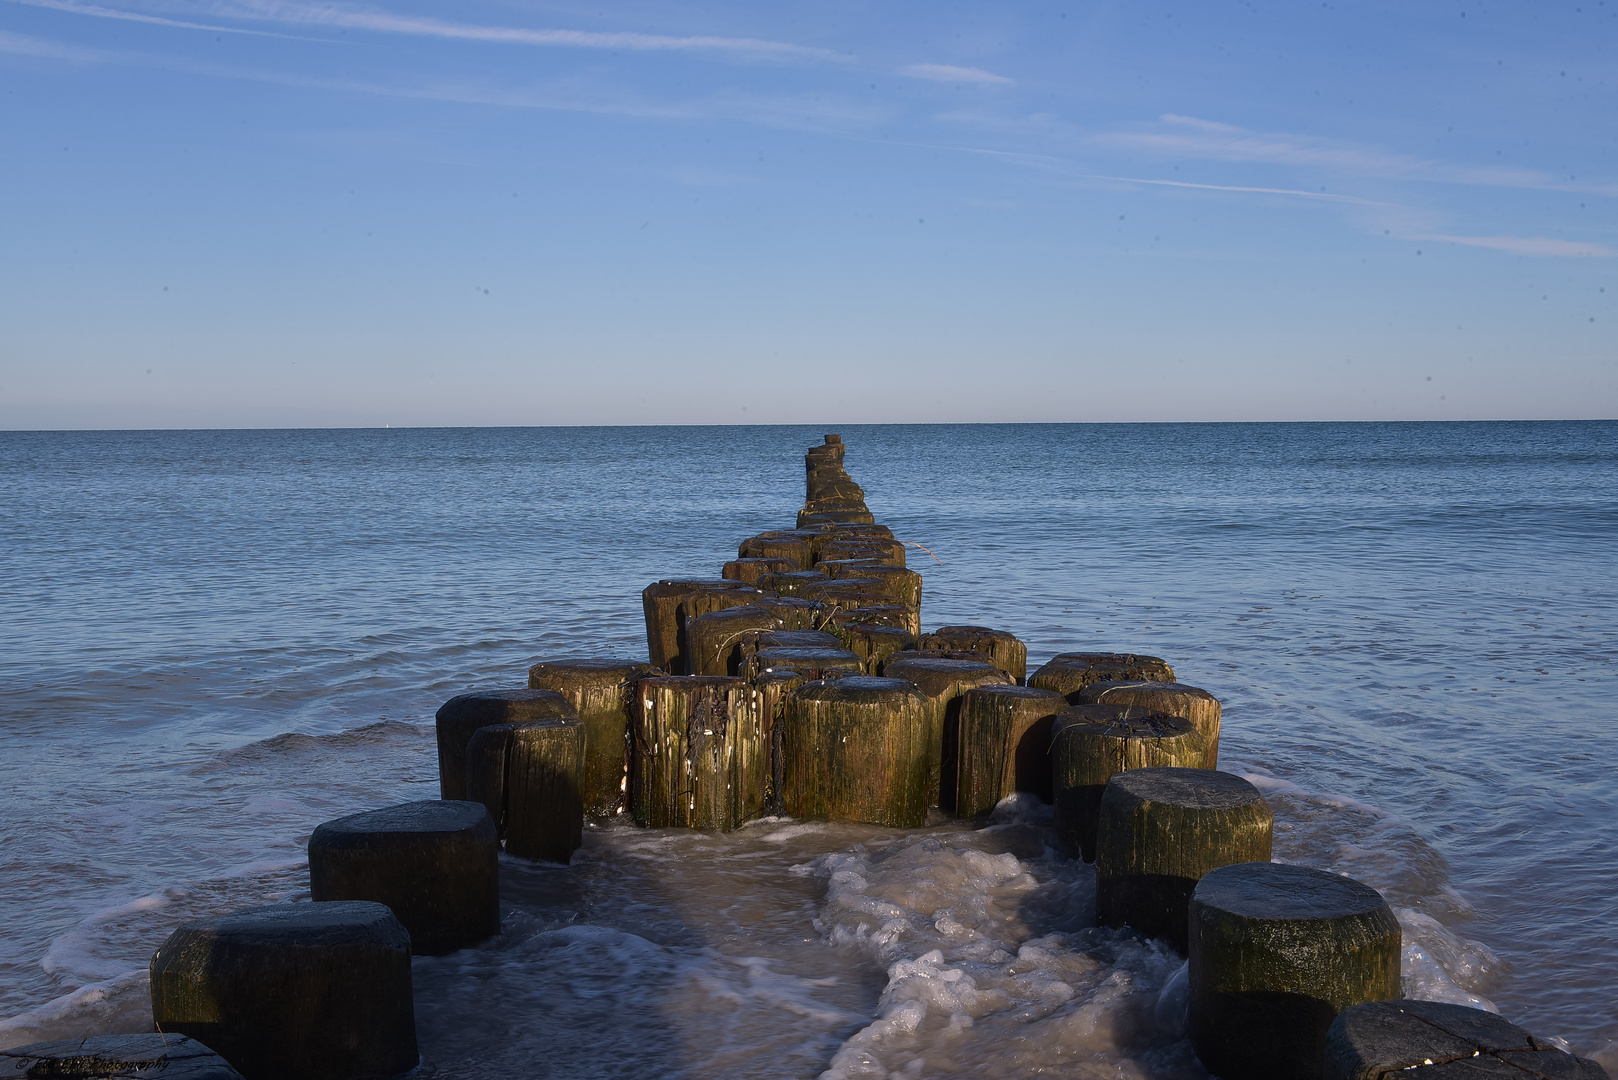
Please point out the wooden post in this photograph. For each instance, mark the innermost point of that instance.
(1005, 742)
(714, 642)
(317, 991)
(699, 756)
(1176, 699)
(793, 547)
(878, 615)
(1380, 1039)
(528, 776)
(601, 690)
(943, 682)
(433, 863)
(770, 691)
(460, 717)
(749, 570)
(811, 663)
(891, 552)
(856, 749)
(792, 583)
(1069, 673)
(1092, 742)
(904, 586)
(851, 594)
(1159, 831)
(945, 654)
(1277, 951)
(1001, 646)
(874, 643)
(669, 603)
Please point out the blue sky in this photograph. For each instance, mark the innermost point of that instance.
(287, 213)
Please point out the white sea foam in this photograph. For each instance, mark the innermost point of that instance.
(118, 1006)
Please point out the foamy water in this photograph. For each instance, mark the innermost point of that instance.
(215, 641)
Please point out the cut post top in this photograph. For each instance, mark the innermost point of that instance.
(1282, 892)
(428, 817)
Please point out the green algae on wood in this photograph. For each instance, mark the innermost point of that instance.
(1090, 743)
(1004, 745)
(698, 755)
(600, 688)
(1276, 952)
(942, 682)
(1159, 831)
(856, 750)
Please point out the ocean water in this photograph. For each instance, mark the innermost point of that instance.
(210, 642)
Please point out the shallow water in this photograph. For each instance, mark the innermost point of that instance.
(212, 641)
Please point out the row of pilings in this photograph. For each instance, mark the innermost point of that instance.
(800, 682)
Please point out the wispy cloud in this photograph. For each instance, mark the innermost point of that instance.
(347, 17)
(22, 45)
(1532, 245)
(99, 12)
(1324, 196)
(1190, 137)
(949, 73)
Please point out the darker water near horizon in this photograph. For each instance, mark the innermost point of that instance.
(210, 641)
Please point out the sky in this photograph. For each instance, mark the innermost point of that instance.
(285, 213)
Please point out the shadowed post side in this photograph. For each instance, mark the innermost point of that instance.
(600, 688)
(527, 775)
(461, 716)
(1004, 745)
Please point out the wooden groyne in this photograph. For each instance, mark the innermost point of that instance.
(800, 681)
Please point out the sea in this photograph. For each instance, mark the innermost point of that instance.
(212, 641)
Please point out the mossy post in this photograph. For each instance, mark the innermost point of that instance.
(1090, 743)
(1070, 673)
(1176, 699)
(699, 757)
(1381, 1040)
(434, 863)
(318, 991)
(1004, 745)
(856, 750)
(1276, 952)
(666, 604)
(1159, 831)
(527, 775)
(1002, 647)
(793, 582)
(600, 688)
(943, 682)
(153, 1054)
(461, 716)
(749, 570)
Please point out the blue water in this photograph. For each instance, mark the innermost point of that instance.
(211, 641)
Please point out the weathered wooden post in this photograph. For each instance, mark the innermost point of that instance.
(1090, 743)
(1159, 831)
(904, 586)
(794, 547)
(1069, 673)
(668, 603)
(461, 716)
(1431, 1040)
(174, 1057)
(812, 663)
(528, 776)
(1277, 951)
(878, 615)
(749, 570)
(851, 594)
(874, 548)
(700, 760)
(1005, 742)
(874, 643)
(770, 691)
(793, 583)
(1001, 646)
(600, 689)
(318, 991)
(943, 682)
(1176, 699)
(856, 749)
(433, 863)
(714, 642)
